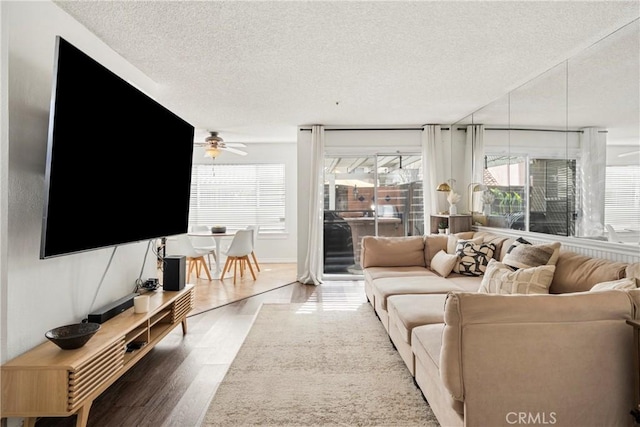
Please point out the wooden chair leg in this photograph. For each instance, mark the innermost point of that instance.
(206, 268)
(255, 261)
(225, 268)
(250, 268)
(235, 267)
(192, 266)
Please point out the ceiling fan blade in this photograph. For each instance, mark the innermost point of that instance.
(235, 144)
(233, 150)
(630, 153)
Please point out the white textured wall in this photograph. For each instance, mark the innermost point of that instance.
(37, 295)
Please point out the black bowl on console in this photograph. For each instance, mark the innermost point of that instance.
(74, 336)
(218, 229)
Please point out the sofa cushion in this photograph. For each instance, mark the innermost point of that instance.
(433, 243)
(468, 283)
(392, 251)
(473, 258)
(372, 273)
(408, 311)
(578, 273)
(443, 263)
(525, 255)
(385, 287)
(500, 279)
(499, 241)
(622, 284)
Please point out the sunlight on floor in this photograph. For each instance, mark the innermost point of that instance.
(335, 296)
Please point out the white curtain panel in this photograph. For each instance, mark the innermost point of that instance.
(312, 273)
(433, 167)
(591, 170)
(474, 163)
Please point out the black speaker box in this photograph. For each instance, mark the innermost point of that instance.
(175, 273)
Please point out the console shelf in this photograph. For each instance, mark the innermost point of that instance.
(48, 381)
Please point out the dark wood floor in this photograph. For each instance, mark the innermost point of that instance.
(174, 383)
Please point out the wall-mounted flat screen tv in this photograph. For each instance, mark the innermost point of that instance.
(118, 166)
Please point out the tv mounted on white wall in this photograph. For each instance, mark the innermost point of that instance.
(118, 167)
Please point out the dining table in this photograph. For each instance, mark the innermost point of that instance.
(218, 239)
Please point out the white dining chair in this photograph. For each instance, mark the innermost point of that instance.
(238, 255)
(255, 229)
(204, 243)
(195, 257)
(612, 236)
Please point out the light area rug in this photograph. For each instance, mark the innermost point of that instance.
(304, 365)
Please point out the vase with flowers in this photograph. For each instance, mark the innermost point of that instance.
(453, 198)
(487, 200)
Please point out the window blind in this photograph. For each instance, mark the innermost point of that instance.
(622, 197)
(236, 196)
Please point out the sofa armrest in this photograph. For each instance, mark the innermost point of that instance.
(568, 357)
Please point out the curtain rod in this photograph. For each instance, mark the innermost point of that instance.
(539, 130)
(361, 129)
(349, 129)
(519, 129)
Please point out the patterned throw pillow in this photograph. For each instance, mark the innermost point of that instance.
(453, 241)
(473, 258)
(500, 279)
(525, 256)
(519, 241)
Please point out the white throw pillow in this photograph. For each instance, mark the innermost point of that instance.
(443, 263)
(626, 283)
(500, 279)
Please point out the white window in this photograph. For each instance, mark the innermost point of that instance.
(622, 197)
(238, 195)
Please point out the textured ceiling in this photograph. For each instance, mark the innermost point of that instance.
(254, 71)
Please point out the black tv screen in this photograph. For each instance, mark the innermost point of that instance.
(118, 166)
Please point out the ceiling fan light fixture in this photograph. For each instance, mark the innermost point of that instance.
(212, 152)
(213, 138)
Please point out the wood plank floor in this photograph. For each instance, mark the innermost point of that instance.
(173, 384)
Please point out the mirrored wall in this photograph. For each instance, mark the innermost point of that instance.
(561, 153)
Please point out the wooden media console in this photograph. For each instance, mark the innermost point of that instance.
(47, 381)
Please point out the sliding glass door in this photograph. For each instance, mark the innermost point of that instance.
(377, 195)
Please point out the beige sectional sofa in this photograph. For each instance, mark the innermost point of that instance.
(562, 358)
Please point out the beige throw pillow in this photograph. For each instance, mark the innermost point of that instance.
(627, 283)
(526, 256)
(442, 263)
(633, 270)
(500, 279)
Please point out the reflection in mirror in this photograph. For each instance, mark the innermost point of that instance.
(532, 183)
(562, 152)
(604, 103)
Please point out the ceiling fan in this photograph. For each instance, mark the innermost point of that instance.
(214, 144)
(630, 153)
